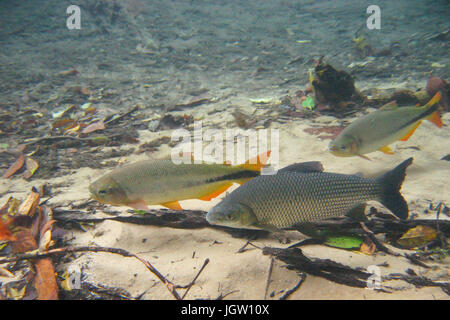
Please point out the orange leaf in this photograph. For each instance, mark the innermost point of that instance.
(24, 241)
(70, 72)
(5, 233)
(368, 247)
(14, 167)
(99, 125)
(45, 281)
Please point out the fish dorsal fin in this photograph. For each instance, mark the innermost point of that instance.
(410, 133)
(386, 150)
(216, 192)
(304, 167)
(390, 106)
(256, 164)
(174, 205)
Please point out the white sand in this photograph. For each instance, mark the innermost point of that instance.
(178, 254)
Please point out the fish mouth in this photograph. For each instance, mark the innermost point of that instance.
(333, 149)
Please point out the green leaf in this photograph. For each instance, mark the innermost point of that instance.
(344, 241)
(308, 103)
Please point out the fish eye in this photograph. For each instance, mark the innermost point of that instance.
(342, 148)
(102, 191)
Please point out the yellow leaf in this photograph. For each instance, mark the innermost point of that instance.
(31, 165)
(16, 294)
(66, 284)
(417, 237)
(29, 205)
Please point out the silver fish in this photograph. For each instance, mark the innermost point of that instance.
(303, 194)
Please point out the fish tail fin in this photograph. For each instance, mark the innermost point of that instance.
(432, 107)
(257, 163)
(392, 182)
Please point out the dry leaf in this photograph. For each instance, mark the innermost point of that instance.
(333, 132)
(28, 207)
(70, 72)
(45, 281)
(31, 166)
(99, 125)
(24, 241)
(14, 167)
(85, 91)
(368, 247)
(5, 233)
(16, 294)
(417, 237)
(62, 122)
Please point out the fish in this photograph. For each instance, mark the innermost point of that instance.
(301, 194)
(380, 128)
(162, 182)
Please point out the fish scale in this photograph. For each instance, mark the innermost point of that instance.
(287, 198)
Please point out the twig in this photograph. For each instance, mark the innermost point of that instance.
(54, 138)
(379, 245)
(189, 286)
(242, 249)
(222, 296)
(291, 291)
(440, 235)
(269, 273)
(135, 108)
(33, 255)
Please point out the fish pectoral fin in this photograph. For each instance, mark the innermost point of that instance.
(386, 150)
(435, 118)
(410, 133)
(174, 205)
(358, 213)
(436, 98)
(305, 167)
(364, 157)
(216, 192)
(138, 205)
(307, 228)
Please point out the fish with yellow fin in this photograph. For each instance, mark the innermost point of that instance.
(378, 129)
(162, 182)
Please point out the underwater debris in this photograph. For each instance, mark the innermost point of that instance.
(69, 72)
(435, 85)
(417, 237)
(95, 126)
(16, 166)
(30, 228)
(155, 144)
(333, 132)
(31, 167)
(362, 47)
(333, 87)
(242, 120)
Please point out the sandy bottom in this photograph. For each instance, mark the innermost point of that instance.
(178, 254)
